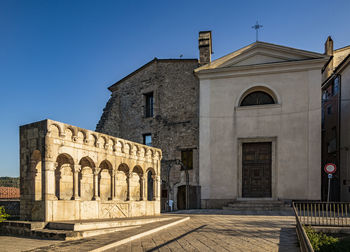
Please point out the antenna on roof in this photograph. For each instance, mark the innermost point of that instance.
(257, 26)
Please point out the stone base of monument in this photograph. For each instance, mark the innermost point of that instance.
(73, 230)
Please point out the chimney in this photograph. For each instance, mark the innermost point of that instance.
(328, 67)
(328, 46)
(205, 48)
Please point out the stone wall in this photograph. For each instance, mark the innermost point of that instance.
(174, 125)
(11, 207)
(69, 173)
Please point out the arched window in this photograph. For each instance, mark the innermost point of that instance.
(257, 98)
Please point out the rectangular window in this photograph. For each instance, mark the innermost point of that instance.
(149, 105)
(335, 87)
(187, 159)
(147, 139)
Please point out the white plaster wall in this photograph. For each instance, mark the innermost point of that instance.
(295, 123)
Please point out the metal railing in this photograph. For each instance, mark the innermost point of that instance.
(331, 214)
(335, 214)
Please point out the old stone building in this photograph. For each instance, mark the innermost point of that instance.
(158, 105)
(69, 173)
(335, 121)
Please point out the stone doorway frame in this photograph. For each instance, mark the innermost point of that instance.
(274, 170)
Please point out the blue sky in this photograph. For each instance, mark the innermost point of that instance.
(57, 58)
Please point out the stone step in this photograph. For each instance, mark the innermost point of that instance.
(257, 205)
(102, 224)
(77, 230)
(23, 224)
(256, 208)
(75, 235)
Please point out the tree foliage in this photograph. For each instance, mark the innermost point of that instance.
(9, 182)
(3, 214)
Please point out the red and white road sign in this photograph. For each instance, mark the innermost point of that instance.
(330, 168)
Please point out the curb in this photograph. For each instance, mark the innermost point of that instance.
(134, 237)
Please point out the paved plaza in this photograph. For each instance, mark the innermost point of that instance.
(207, 230)
(272, 231)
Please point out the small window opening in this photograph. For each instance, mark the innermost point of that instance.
(257, 98)
(187, 159)
(149, 105)
(147, 139)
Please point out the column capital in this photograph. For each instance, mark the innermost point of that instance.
(50, 165)
(76, 168)
(96, 170)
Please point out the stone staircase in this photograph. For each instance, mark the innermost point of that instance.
(73, 230)
(258, 205)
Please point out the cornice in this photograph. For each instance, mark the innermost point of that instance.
(268, 68)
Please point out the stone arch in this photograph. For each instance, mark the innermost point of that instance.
(119, 146)
(105, 180)
(149, 154)
(122, 185)
(93, 139)
(86, 178)
(258, 88)
(136, 183)
(134, 150)
(101, 142)
(69, 133)
(81, 136)
(64, 177)
(150, 183)
(111, 143)
(127, 148)
(55, 130)
(36, 175)
(142, 152)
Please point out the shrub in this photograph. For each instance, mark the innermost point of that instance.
(322, 242)
(3, 214)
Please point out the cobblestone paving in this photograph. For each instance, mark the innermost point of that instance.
(217, 231)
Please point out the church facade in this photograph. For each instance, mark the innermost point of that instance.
(260, 125)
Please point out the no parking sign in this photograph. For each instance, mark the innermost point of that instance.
(330, 168)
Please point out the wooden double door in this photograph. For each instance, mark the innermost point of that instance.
(256, 170)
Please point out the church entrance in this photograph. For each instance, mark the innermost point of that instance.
(256, 170)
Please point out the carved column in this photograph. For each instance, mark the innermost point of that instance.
(96, 172)
(156, 187)
(76, 170)
(143, 195)
(32, 180)
(128, 177)
(112, 184)
(49, 180)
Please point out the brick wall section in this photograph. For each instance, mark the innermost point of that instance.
(9, 193)
(175, 123)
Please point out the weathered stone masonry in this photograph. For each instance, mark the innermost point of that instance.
(174, 125)
(69, 173)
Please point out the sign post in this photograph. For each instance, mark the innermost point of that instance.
(330, 169)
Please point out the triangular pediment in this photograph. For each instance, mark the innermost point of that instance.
(261, 53)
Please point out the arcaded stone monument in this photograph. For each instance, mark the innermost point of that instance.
(70, 173)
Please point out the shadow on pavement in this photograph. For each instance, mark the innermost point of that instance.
(288, 240)
(176, 238)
